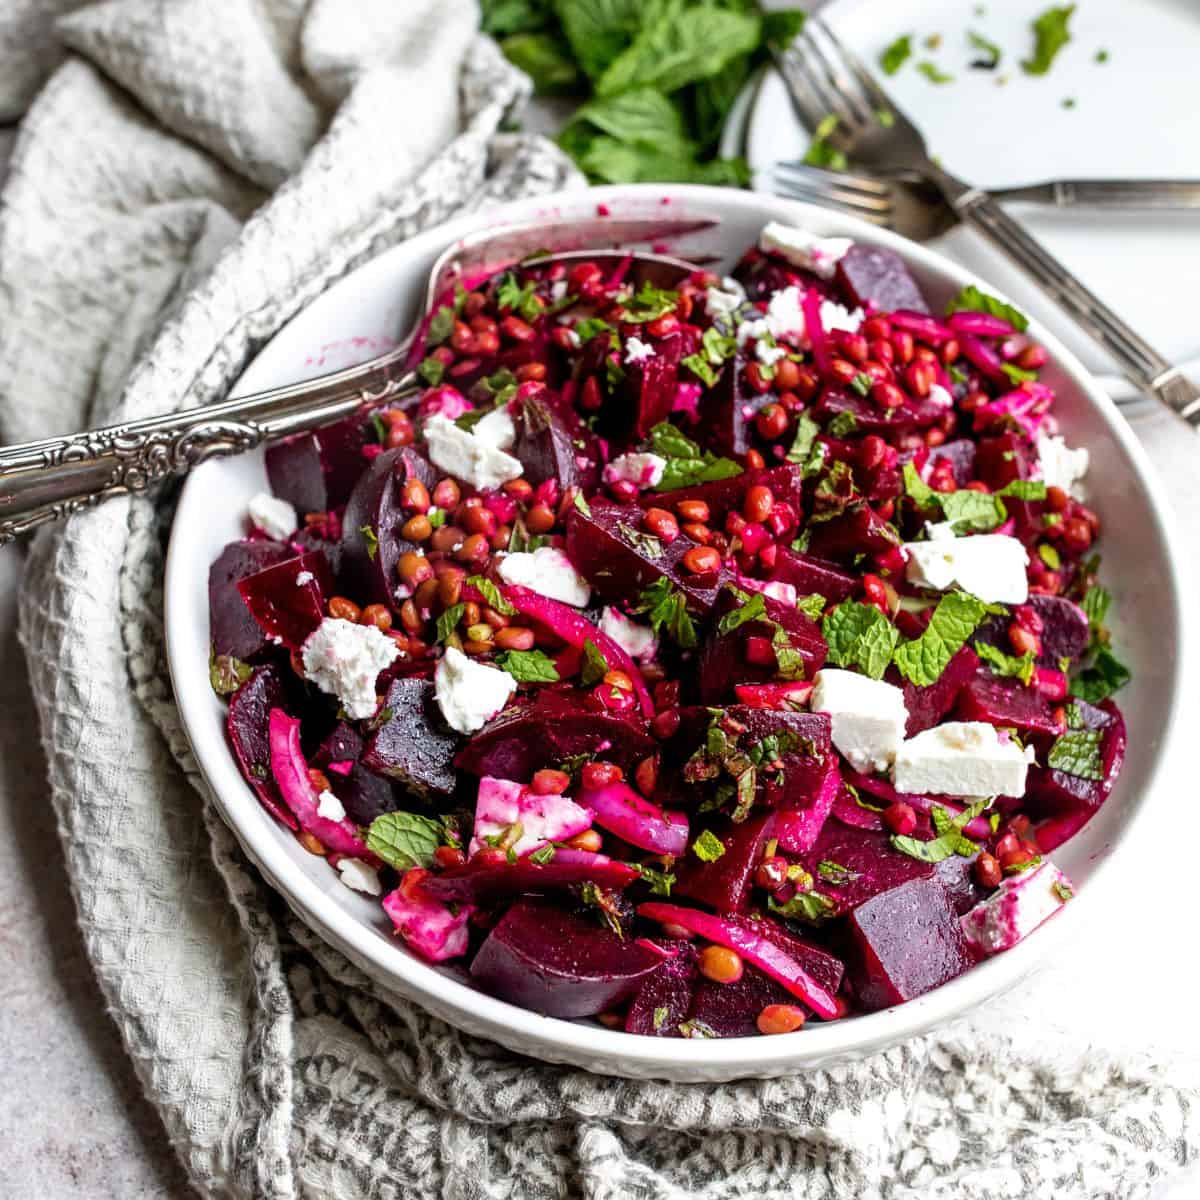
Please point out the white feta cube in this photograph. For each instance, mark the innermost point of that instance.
(836, 316)
(330, 807)
(1019, 905)
(497, 428)
(803, 249)
(784, 319)
(344, 659)
(501, 804)
(549, 572)
(275, 517)
(868, 717)
(636, 639)
(1062, 466)
(643, 470)
(469, 693)
(460, 453)
(637, 351)
(988, 565)
(359, 876)
(962, 758)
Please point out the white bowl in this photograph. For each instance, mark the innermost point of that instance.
(376, 301)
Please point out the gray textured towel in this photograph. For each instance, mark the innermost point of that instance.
(189, 177)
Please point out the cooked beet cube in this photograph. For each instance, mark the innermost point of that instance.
(731, 1009)
(725, 883)
(878, 280)
(810, 575)
(364, 794)
(554, 962)
(232, 628)
(1051, 791)
(650, 385)
(859, 530)
(1064, 633)
(317, 471)
(871, 865)
(546, 448)
(960, 455)
(957, 876)
(869, 418)
(609, 547)
(799, 828)
(1000, 460)
(907, 941)
(663, 1002)
(371, 541)
(555, 726)
(411, 744)
(288, 599)
(727, 411)
(928, 705)
(1006, 703)
(249, 714)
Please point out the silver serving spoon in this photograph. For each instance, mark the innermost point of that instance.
(48, 480)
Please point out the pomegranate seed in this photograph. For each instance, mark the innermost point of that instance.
(771, 421)
(871, 451)
(787, 375)
(919, 378)
(1023, 641)
(646, 775)
(843, 371)
(987, 871)
(756, 381)
(900, 818)
(902, 343)
(887, 395)
(517, 330)
(663, 326)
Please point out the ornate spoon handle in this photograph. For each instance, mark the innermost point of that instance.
(51, 479)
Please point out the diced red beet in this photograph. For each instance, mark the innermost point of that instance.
(545, 447)
(849, 811)
(732, 1009)
(317, 471)
(785, 696)
(724, 496)
(928, 705)
(764, 274)
(1051, 792)
(371, 541)
(553, 962)
(877, 279)
(232, 629)
(999, 460)
(859, 530)
(485, 884)
(724, 661)
(287, 599)
(609, 547)
(810, 575)
(663, 1002)
(725, 883)
(727, 410)
(650, 386)
(1064, 633)
(872, 865)
(960, 455)
(799, 828)
(247, 722)
(364, 794)
(907, 941)
(555, 726)
(957, 876)
(412, 745)
(1006, 703)
(870, 418)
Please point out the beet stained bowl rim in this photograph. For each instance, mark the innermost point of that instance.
(379, 295)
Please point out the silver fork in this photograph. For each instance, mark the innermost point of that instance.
(51, 479)
(826, 79)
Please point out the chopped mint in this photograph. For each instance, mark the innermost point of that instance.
(404, 839)
(859, 635)
(821, 152)
(752, 608)
(896, 54)
(1105, 675)
(971, 510)
(933, 73)
(922, 660)
(492, 595)
(441, 326)
(1050, 36)
(699, 366)
(595, 665)
(666, 608)
(542, 855)
(1077, 752)
(812, 606)
(431, 370)
(1050, 556)
(528, 666)
(227, 674)
(372, 540)
(521, 300)
(810, 907)
(660, 1018)
(580, 502)
(1017, 375)
(1102, 56)
(862, 384)
(972, 299)
(708, 847)
(660, 882)
(448, 621)
(950, 839)
(806, 450)
(643, 542)
(990, 50)
(1008, 666)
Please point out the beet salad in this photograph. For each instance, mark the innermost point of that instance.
(707, 660)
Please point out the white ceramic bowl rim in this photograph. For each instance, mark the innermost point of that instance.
(566, 1041)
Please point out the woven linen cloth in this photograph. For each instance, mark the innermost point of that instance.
(190, 175)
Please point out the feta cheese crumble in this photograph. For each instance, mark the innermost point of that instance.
(359, 876)
(723, 304)
(304, 577)
(868, 717)
(1019, 905)
(636, 639)
(275, 517)
(497, 428)
(962, 758)
(802, 249)
(988, 565)
(642, 470)
(330, 807)
(1062, 466)
(549, 572)
(836, 316)
(769, 353)
(637, 351)
(462, 454)
(784, 319)
(344, 659)
(469, 693)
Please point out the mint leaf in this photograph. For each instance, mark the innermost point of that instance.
(1050, 556)
(666, 608)
(1017, 375)
(598, 30)
(950, 839)
(859, 635)
(933, 73)
(1024, 489)
(752, 608)
(1107, 674)
(431, 370)
(528, 666)
(1007, 666)
(718, 347)
(591, 327)
(546, 59)
(990, 49)
(502, 17)
(812, 606)
(976, 511)
(1077, 752)
(669, 441)
(521, 300)
(810, 907)
(896, 54)
(821, 151)
(916, 489)
(1050, 36)
(404, 839)
(641, 115)
(708, 847)
(448, 621)
(595, 665)
(685, 472)
(227, 674)
(1095, 604)
(372, 540)
(492, 595)
(956, 617)
(972, 299)
(441, 326)
(660, 882)
(805, 446)
(698, 365)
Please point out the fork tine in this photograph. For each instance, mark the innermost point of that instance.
(875, 95)
(841, 77)
(822, 200)
(859, 201)
(861, 185)
(822, 99)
